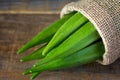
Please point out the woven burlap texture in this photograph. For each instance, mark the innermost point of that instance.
(105, 15)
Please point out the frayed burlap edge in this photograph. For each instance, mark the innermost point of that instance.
(105, 15)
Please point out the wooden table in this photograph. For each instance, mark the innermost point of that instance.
(17, 29)
(32, 6)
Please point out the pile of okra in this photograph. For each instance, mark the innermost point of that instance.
(68, 42)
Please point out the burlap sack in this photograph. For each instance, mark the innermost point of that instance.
(105, 15)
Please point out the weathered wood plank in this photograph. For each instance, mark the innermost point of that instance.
(32, 6)
(60, 76)
(16, 29)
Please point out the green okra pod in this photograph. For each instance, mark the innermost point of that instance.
(33, 56)
(65, 30)
(87, 55)
(46, 34)
(72, 41)
(84, 36)
(34, 75)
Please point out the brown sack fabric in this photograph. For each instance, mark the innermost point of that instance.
(105, 15)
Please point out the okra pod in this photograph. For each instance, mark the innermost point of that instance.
(34, 75)
(84, 36)
(65, 30)
(87, 55)
(33, 56)
(72, 41)
(46, 34)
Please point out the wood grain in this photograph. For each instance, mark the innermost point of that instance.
(32, 6)
(17, 29)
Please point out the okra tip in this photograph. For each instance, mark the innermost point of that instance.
(32, 78)
(23, 49)
(26, 72)
(21, 60)
(34, 65)
(23, 73)
(31, 71)
(19, 51)
(44, 52)
(34, 75)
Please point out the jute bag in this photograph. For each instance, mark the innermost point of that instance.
(105, 15)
